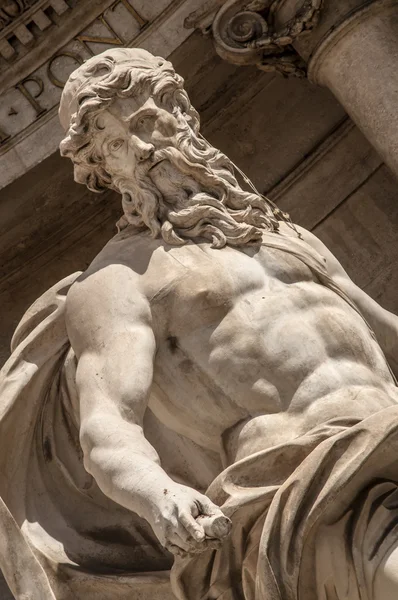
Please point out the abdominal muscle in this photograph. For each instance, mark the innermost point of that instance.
(275, 367)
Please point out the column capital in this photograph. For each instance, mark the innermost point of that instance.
(247, 32)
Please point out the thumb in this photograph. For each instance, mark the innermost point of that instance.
(207, 507)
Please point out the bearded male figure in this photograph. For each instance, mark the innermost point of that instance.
(213, 387)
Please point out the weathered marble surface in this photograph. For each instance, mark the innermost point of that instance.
(209, 357)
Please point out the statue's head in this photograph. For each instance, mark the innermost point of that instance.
(130, 127)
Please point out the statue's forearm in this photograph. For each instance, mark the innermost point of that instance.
(124, 464)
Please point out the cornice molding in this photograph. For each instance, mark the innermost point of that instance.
(17, 35)
(327, 177)
(60, 24)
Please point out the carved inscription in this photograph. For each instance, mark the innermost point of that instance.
(42, 89)
(32, 98)
(52, 77)
(114, 39)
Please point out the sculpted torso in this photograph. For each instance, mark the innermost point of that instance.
(231, 342)
(251, 350)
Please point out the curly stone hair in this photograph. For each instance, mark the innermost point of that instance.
(222, 212)
(106, 78)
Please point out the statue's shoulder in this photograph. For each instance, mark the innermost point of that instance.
(129, 263)
(144, 254)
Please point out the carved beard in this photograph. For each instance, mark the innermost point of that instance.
(193, 195)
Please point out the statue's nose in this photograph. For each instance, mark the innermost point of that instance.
(143, 150)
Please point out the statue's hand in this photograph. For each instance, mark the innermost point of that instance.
(187, 522)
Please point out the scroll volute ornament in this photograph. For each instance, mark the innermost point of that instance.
(245, 33)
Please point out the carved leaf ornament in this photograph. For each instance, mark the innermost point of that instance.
(245, 33)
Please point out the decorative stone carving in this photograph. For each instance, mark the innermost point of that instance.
(15, 18)
(213, 394)
(246, 33)
(10, 10)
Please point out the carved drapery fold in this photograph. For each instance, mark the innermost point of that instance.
(246, 32)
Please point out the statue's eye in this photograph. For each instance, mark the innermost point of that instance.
(115, 145)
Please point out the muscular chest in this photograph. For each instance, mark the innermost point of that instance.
(214, 323)
(211, 282)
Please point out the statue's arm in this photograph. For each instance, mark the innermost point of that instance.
(109, 326)
(383, 322)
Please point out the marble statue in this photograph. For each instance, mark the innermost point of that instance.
(210, 410)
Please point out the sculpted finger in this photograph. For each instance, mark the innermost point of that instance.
(192, 528)
(207, 507)
(207, 544)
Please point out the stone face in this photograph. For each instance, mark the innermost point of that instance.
(213, 386)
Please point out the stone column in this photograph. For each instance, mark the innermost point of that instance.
(357, 59)
(350, 46)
